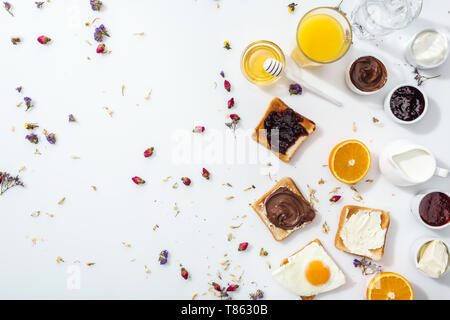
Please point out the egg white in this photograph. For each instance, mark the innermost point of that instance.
(292, 275)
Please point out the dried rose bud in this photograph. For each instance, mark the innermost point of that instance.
(216, 286)
(232, 287)
(138, 180)
(198, 129)
(43, 39)
(243, 246)
(234, 117)
(101, 48)
(186, 180)
(295, 88)
(231, 103)
(227, 85)
(205, 173)
(163, 257)
(148, 152)
(184, 273)
(335, 198)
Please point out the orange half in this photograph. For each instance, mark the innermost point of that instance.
(349, 161)
(389, 286)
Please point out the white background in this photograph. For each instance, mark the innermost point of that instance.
(179, 58)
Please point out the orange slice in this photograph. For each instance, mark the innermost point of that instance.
(389, 286)
(349, 161)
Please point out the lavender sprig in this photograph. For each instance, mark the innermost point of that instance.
(96, 5)
(7, 182)
(421, 78)
(367, 267)
(100, 31)
(7, 6)
(259, 294)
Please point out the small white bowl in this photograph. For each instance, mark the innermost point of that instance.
(409, 55)
(414, 206)
(387, 105)
(415, 249)
(352, 87)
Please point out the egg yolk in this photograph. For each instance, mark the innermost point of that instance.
(317, 273)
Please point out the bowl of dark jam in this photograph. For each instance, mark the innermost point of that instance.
(432, 208)
(406, 104)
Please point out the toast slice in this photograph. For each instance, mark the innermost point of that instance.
(346, 213)
(260, 136)
(286, 260)
(278, 233)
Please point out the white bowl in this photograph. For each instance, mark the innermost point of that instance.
(414, 206)
(387, 105)
(417, 245)
(350, 84)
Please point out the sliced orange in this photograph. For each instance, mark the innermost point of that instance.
(349, 161)
(389, 286)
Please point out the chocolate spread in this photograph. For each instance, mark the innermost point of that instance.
(434, 209)
(285, 124)
(368, 74)
(287, 210)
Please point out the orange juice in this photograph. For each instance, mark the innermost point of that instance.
(253, 58)
(323, 36)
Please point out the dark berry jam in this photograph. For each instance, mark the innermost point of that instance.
(434, 209)
(407, 103)
(289, 128)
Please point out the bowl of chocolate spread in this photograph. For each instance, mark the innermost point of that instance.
(406, 104)
(366, 75)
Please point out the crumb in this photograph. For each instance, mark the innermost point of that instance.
(325, 227)
(60, 202)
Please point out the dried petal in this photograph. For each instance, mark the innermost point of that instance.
(163, 257)
(335, 198)
(101, 48)
(243, 246)
(186, 181)
(138, 180)
(227, 85)
(232, 287)
(198, 129)
(205, 173)
(43, 39)
(216, 286)
(230, 103)
(184, 273)
(148, 152)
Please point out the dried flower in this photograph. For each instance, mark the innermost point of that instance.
(184, 273)
(291, 7)
(163, 257)
(232, 287)
(39, 4)
(367, 267)
(43, 39)
(31, 126)
(231, 103)
(259, 294)
(7, 6)
(99, 32)
(186, 181)
(216, 286)
(33, 138)
(263, 252)
(148, 152)
(15, 40)
(234, 122)
(72, 118)
(28, 103)
(198, 129)
(226, 45)
(295, 88)
(7, 182)
(227, 85)
(96, 5)
(335, 198)
(138, 180)
(100, 48)
(205, 174)
(51, 138)
(222, 74)
(421, 78)
(243, 246)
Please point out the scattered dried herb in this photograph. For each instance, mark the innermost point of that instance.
(222, 74)
(367, 267)
(99, 32)
(7, 7)
(295, 88)
(421, 78)
(72, 118)
(39, 4)
(259, 294)
(263, 253)
(28, 103)
(51, 138)
(7, 182)
(33, 138)
(15, 40)
(163, 255)
(96, 5)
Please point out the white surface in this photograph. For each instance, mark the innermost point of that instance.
(185, 38)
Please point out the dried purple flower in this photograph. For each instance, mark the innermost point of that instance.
(28, 103)
(19, 89)
(7, 182)
(100, 31)
(72, 118)
(367, 267)
(39, 4)
(222, 74)
(163, 257)
(51, 138)
(33, 138)
(421, 78)
(7, 6)
(259, 294)
(234, 122)
(295, 88)
(96, 5)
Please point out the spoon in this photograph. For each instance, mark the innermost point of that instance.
(275, 68)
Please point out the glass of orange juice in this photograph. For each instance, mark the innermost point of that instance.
(253, 58)
(324, 35)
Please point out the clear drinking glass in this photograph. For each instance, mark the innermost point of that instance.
(375, 18)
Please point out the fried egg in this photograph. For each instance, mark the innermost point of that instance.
(309, 272)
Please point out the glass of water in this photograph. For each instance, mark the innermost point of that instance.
(375, 18)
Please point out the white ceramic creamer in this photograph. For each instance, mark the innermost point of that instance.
(404, 163)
